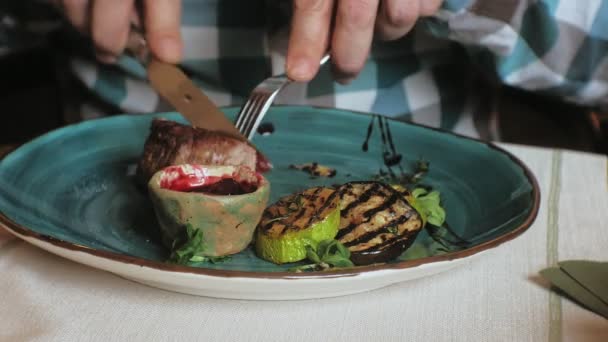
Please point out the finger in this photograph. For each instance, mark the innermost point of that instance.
(352, 36)
(78, 13)
(110, 26)
(162, 23)
(308, 38)
(397, 17)
(429, 7)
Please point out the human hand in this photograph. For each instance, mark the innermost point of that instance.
(108, 22)
(350, 38)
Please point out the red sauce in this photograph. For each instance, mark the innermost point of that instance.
(197, 179)
(224, 187)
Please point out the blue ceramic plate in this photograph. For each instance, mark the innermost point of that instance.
(72, 192)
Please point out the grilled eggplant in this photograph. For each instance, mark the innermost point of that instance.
(296, 221)
(377, 224)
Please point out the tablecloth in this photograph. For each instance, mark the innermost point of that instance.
(498, 297)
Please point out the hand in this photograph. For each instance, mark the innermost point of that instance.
(108, 24)
(350, 39)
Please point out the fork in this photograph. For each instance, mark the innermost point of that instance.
(253, 111)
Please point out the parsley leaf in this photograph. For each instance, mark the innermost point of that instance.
(311, 254)
(185, 249)
(189, 248)
(338, 261)
(327, 254)
(428, 205)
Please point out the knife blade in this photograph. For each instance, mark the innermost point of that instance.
(178, 90)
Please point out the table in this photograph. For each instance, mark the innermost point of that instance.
(498, 297)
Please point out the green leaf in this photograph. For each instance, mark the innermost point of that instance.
(312, 255)
(198, 258)
(336, 254)
(328, 253)
(428, 205)
(342, 250)
(324, 248)
(338, 261)
(189, 248)
(419, 192)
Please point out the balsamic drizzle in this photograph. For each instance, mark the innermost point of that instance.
(382, 134)
(390, 137)
(393, 158)
(390, 156)
(370, 128)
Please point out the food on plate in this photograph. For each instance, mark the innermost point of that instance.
(377, 224)
(208, 210)
(427, 204)
(171, 143)
(328, 254)
(315, 169)
(296, 221)
(364, 222)
(210, 199)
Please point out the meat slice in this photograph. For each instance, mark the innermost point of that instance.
(172, 143)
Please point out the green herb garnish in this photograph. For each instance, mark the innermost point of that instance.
(328, 254)
(190, 249)
(187, 248)
(428, 205)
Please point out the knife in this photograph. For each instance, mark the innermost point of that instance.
(177, 89)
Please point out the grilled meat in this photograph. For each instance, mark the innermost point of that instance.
(376, 224)
(172, 143)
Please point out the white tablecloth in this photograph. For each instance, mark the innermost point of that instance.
(498, 297)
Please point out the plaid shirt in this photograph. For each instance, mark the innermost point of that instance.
(554, 47)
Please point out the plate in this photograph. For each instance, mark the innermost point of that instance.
(72, 193)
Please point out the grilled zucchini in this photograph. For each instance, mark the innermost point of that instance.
(296, 221)
(376, 224)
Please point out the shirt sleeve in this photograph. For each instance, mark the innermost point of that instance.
(554, 47)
